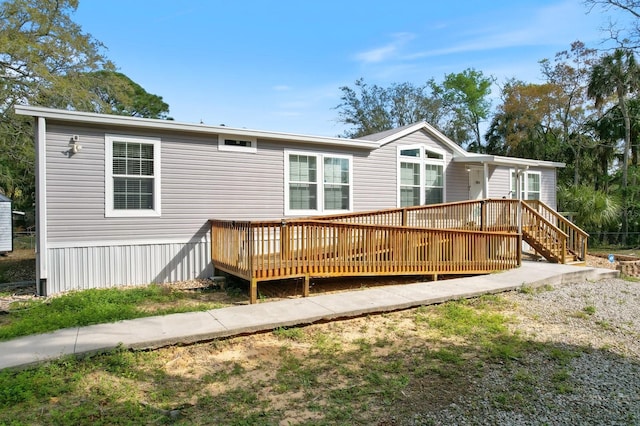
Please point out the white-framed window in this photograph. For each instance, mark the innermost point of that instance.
(530, 185)
(132, 176)
(237, 143)
(420, 175)
(317, 183)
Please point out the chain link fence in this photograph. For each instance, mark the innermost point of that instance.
(24, 240)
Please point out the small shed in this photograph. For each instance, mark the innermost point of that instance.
(6, 225)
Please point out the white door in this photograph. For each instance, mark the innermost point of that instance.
(476, 183)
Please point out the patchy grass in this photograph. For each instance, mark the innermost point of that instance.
(380, 369)
(528, 289)
(295, 333)
(97, 306)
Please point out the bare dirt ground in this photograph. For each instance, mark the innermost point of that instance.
(581, 315)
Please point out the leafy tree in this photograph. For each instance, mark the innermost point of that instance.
(608, 131)
(111, 92)
(46, 59)
(591, 209)
(523, 125)
(595, 211)
(372, 109)
(570, 72)
(617, 75)
(39, 46)
(466, 96)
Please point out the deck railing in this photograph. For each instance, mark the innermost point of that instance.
(479, 215)
(260, 251)
(467, 237)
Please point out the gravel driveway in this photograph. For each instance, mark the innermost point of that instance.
(598, 323)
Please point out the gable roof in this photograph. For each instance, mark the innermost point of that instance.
(459, 153)
(369, 142)
(388, 136)
(386, 133)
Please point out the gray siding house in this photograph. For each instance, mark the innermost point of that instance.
(126, 201)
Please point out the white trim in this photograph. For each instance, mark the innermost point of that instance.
(41, 200)
(320, 156)
(506, 161)
(422, 160)
(135, 242)
(523, 180)
(170, 125)
(423, 125)
(109, 210)
(252, 148)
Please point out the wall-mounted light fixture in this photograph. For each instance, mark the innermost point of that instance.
(74, 146)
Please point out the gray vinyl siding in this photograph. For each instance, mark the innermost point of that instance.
(500, 185)
(499, 182)
(457, 182)
(375, 177)
(198, 183)
(548, 186)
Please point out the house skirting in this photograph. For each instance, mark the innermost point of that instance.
(80, 268)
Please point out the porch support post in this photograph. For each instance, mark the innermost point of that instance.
(485, 172)
(253, 291)
(305, 289)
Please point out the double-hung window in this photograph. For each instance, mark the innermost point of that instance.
(132, 176)
(317, 183)
(529, 185)
(420, 176)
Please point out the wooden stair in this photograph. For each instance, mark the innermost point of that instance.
(553, 236)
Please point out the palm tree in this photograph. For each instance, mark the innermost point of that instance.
(618, 75)
(591, 209)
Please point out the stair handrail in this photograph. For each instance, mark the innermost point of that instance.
(560, 235)
(577, 238)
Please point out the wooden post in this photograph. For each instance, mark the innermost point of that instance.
(253, 291)
(305, 289)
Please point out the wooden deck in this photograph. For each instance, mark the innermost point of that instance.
(471, 237)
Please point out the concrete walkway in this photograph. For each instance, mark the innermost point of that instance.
(154, 332)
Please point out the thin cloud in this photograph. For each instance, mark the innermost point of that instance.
(282, 88)
(545, 26)
(387, 51)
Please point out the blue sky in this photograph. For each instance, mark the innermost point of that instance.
(278, 65)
